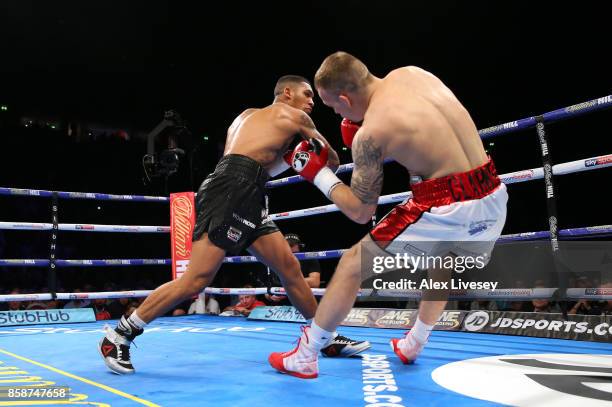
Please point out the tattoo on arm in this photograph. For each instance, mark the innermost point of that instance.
(306, 121)
(367, 179)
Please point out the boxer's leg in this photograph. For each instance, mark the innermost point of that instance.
(272, 250)
(432, 304)
(206, 258)
(334, 307)
(342, 291)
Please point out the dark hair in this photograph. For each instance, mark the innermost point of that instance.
(293, 238)
(283, 81)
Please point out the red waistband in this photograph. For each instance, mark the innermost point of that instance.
(464, 186)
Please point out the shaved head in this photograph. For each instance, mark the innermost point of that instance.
(342, 72)
(288, 80)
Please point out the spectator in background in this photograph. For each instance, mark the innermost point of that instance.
(585, 307)
(311, 270)
(16, 305)
(542, 304)
(484, 305)
(518, 306)
(118, 307)
(246, 304)
(204, 304)
(582, 307)
(35, 305)
(99, 308)
(54, 304)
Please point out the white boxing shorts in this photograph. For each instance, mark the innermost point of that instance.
(461, 214)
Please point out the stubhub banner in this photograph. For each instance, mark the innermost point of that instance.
(48, 316)
(278, 313)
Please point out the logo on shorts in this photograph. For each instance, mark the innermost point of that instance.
(243, 221)
(234, 234)
(476, 320)
(480, 226)
(300, 160)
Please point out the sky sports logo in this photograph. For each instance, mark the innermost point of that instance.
(606, 159)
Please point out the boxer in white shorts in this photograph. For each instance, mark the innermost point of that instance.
(411, 117)
(462, 214)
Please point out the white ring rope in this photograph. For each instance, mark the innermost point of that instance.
(498, 294)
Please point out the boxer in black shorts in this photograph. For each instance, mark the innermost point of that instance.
(232, 215)
(232, 204)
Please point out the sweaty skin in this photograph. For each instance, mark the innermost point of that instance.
(413, 118)
(265, 134)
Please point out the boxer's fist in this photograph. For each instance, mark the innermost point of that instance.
(309, 157)
(309, 160)
(348, 130)
(288, 156)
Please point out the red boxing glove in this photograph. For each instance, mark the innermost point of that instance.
(288, 156)
(348, 130)
(309, 156)
(309, 160)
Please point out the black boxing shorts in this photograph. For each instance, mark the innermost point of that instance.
(231, 204)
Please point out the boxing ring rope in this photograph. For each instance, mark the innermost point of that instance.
(494, 131)
(587, 164)
(498, 294)
(514, 177)
(601, 230)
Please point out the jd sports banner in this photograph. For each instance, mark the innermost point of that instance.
(578, 327)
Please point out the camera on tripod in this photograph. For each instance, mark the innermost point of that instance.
(163, 154)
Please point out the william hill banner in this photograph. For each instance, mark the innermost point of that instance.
(182, 220)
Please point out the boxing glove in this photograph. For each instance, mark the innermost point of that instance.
(309, 160)
(348, 130)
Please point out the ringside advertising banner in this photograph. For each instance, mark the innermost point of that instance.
(182, 221)
(578, 327)
(370, 317)
(48, 316)
(284, 313)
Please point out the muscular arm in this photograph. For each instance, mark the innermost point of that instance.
(314, 279)
(306, 128)
(359, 201)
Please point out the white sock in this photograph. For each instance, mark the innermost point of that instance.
(318, 337)
(135, 320)
(420, 331)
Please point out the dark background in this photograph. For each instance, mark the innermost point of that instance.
(108, 71)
